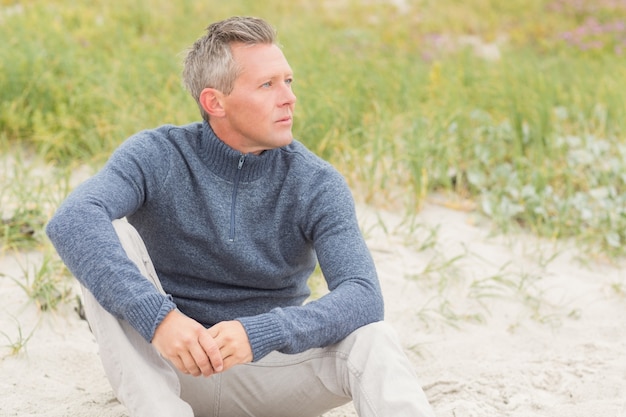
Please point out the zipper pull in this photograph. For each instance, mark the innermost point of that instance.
(241, 161)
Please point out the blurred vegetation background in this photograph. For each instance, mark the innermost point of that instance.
(512, 109)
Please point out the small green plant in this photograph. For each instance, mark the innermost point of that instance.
(17, 344)
(440, 270)
(45, 283)
(442, 310)
(29, 191)
(22, 228)
(417, 235)
(619, 288)
(445, 276)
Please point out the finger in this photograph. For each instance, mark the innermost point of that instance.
(212, 351)
(201, 359)
(225, 346)
(213, 331)
(189, 364)
(229, 355)
(233, 343)
(178, 363)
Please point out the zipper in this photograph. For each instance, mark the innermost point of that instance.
(233, 205)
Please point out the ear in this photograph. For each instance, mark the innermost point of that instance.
(211, 101)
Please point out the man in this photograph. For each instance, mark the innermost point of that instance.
(198, 306)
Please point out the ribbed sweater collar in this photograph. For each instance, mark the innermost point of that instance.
(224, 161)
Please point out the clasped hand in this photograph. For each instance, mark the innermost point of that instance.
(196, 350)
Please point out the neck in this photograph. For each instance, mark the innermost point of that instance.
(233, 141)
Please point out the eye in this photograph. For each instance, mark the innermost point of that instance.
(289, 81)
(266, 85)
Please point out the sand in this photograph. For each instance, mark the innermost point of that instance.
(493, 325)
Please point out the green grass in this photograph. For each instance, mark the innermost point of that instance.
(16, 344)
(45, 282)
(399, 100)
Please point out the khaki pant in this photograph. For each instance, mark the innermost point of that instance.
(368, 367)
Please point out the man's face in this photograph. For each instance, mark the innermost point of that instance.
(258, 113)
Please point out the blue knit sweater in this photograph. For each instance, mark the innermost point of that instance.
(231, 236)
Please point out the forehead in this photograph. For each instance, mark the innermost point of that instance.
(259, 61)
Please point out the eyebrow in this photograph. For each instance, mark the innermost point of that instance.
(263, 78)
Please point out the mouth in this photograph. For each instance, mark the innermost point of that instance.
(286, 119)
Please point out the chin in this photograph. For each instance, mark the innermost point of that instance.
(284, 142)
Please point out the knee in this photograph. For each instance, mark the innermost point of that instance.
(374, 336)
(135, 248)
(124, 230)
(130, 240)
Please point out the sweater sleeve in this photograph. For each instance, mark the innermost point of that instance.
(83, 235)
(355, 298)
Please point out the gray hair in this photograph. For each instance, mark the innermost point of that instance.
(209, 62)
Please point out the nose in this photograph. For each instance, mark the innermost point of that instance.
(288, 97)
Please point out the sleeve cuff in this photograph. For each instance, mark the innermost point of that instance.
(146, 315)
(264, 333)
